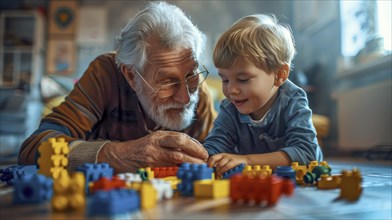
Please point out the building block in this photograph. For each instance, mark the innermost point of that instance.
(188, 173)
(93, 172)
(259, 190)
(161, 172)
(32, 188)
(113, 202)
(10, 173)
(317, 171)
(236, 170)
(350, 187)
(53, 157)
(69, 192)
(286, 172)
(148, 195)
(300, 172)
(173, 180)
(211, 188)
(146, 173)
(107, 184)
(329, 182)
(163, 188)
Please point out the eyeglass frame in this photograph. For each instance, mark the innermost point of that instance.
(156, 90)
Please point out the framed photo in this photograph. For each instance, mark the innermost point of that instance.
(61, 57)
(62, 17)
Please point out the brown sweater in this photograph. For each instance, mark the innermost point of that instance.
(102, 107)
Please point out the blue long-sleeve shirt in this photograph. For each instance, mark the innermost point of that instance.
(286, 127)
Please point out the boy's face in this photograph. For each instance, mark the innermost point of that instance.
(249, 88)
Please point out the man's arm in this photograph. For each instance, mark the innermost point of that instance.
(76, 116)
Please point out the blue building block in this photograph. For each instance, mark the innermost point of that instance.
(236, 170)
(188, 173)
(32, 188)
(113, 202)
(10, 173)
(94, 172)
(286, 172)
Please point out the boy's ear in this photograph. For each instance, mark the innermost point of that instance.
(282, 75)
(129, 75)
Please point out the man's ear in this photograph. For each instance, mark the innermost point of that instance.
(282, 75)
(129, 75)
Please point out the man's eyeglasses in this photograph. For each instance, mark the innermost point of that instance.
(192, 82)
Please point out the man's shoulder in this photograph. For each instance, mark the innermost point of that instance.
(106, 57)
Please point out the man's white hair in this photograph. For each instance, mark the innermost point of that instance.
(161, 19)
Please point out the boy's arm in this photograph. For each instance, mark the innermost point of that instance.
(223, 136)
(301, 143)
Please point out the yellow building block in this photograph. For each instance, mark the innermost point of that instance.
(211, 188)
(148, 196)
(329, 182)
(350, 187)
(53, 157)
(69, 192)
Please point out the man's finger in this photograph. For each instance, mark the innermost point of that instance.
(183, 142)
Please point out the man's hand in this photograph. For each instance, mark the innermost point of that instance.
(159, 149)
(224, 162)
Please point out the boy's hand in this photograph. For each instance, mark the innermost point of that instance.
(224, 162)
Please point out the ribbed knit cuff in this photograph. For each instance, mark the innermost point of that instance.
(83, 152)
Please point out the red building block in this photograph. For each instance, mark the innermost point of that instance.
(259, 189)
(161, 172)
(106, 184)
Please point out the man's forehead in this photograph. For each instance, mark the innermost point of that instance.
(175, 56)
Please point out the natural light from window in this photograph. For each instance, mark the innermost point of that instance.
(366, 27)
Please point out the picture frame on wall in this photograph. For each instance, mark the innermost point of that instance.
(61, 56)
(63, 17)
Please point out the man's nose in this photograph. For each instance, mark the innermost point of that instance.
(182, 95)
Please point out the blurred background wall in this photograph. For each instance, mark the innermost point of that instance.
(348, 88)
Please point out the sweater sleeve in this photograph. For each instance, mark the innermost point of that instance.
(77, 115)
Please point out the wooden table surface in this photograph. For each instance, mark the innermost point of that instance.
(306, 202)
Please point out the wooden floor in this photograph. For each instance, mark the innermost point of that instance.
(306, 202)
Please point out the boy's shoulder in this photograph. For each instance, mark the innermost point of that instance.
(289, 89)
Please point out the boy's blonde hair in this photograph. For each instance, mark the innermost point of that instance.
(258, 38)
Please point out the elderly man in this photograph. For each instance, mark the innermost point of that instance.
(144, 105)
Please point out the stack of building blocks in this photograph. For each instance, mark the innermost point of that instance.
(188, 173)
(32, 188)
(311, 177)
(161, 172)
(211, 188)
(93, 172)
(11, 173)
(53, 157)
(113, 202)
(259, 190)
(350, 187)
(69, 192)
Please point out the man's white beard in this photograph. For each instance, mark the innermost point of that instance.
(159, 112)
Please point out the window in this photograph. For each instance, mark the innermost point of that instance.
(366, 27)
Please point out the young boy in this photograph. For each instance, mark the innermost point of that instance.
(265, 119)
